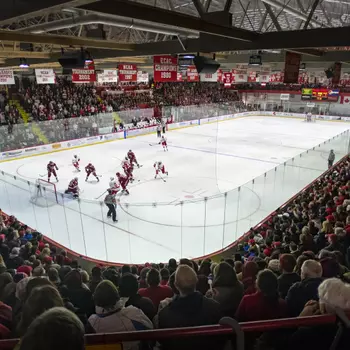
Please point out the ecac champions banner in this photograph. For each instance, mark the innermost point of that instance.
(165, 68)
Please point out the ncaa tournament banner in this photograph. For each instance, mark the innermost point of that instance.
(45, 76)
(209, 77)
(6, 77)
(108, 76)
(263, 77)
(291, 67)
(165, 68)
(192, 74)
(84, 75)
(127, 72)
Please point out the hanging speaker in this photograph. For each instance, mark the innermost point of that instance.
(205, 64)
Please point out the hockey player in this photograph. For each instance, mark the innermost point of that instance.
(73, 188)
(123, 180)
(164, 143)
(160, 168)
(90, 169)
(51, 170)
(75, 162)
(128, 169)
(114, 186)
(132, 158)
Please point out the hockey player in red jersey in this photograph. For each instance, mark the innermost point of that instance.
(90, 169)
(75, 162)
(160, 168)
(114, 186)
(73, 188)
(128, 169)
(123, 180)
(164, 143)
(51, 170)
(132, 158)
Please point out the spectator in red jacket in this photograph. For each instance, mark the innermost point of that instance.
(265, 304)
(155, 291)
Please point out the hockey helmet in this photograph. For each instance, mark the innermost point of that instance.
(118, 174)
(130, 150)
(76, 179)
(75, 156)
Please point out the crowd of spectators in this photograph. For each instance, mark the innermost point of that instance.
(295, 264)
(9, 114)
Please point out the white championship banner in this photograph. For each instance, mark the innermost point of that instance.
(45, 76)
(6, 77)
(108, 76)
(213, 77)
(142, 77)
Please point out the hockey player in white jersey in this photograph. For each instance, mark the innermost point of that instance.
(160, 168)
(75, 162)
(114, 186)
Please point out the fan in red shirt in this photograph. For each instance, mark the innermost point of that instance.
(265, 304)
(155, 291)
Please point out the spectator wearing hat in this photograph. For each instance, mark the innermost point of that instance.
(301, 292)
(110, 316)
(155, 291)
(288, 276)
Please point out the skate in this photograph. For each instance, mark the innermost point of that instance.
(167, 173)
(56, 179)
(86, 179)
(98, 180)
(155, 177)
(115, 221)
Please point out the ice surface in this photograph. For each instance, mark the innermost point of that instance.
(205, 161)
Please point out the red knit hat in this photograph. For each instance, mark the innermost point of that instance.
(25, 269)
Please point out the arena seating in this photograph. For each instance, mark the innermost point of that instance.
(294, 264)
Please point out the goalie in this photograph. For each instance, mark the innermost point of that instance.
(73, 188)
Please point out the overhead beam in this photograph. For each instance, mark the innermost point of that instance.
(148, 13)
(228, 4)
(11, 11)
(7, 35)
(311, 13)
(272, 16)
(199, 7)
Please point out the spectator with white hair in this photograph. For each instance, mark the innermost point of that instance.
(189, 308)
(334, 295)
(302, 292)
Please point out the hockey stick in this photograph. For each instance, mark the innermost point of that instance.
(101, 195)
(154, 144)
(161, 177)
(42, 175)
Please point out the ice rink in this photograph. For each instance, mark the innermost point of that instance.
(207, 202)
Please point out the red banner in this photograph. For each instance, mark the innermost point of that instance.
(85, 75)
(227, 78)
(127, 72)
(165, 68)
(291, 67)
(252, 77)
(277, 77)
(192, 74)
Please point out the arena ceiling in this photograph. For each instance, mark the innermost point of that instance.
(134, 30)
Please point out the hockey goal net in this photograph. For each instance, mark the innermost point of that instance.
(45, 194)
(310, 118)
